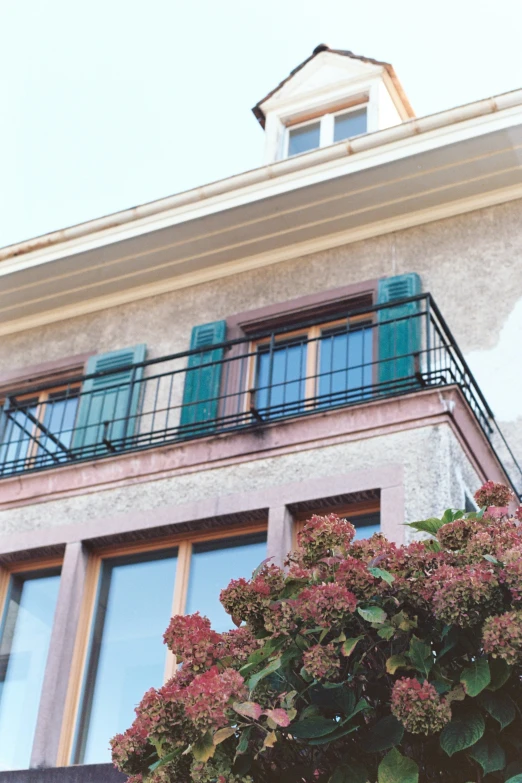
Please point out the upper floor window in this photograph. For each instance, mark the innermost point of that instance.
(319, 366)
(328, 129)
(36, 429)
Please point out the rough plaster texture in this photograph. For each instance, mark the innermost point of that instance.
(436, 474)
(470, 263)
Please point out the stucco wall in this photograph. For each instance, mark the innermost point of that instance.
(471, 264)
(436, 475)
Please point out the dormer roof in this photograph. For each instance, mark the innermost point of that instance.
(258, 108)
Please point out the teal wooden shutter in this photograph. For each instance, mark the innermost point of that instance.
(202, 384)
(398, 340)
(109, 404)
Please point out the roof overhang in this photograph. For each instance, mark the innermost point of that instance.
(417, 172)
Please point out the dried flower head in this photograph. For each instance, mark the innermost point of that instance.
(502, 637)
(192, 641)
(322, 663)
(324, 536)
(419, 707)
(464, 596)
(325, 605)
(493, 494)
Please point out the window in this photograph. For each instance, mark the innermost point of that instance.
(25, 635)
(319, 366)
(303, 138)
(330, 128)
(37, 430)
(349, 124)
(135, 594)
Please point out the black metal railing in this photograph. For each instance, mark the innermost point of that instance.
(306, 368)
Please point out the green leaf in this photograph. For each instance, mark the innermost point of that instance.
(351, 772)
(396, 662)
(489, 754)
(463, 732)
(500, 673)
(165, 760)
(383, 735)
(386, 632)
(204, 748)
(395, 768)
(342, 731)
(261, 655)
(312, 727)
(499, 706)
(242, 745)
(272, 667)
(350, 644)
(476, 677)
(380, 573)
(516, 779)
(373, 614)
(421, 656)
(430, 526)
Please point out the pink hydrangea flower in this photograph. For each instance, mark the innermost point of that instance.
(419, 707)
(502, 637)
(322, 663)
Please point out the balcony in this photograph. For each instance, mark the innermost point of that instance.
(301, 369)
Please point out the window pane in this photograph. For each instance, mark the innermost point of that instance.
(16, 438)
(212, 567)
(366, 525)
(60, 414)
(351, 124)
(25, 637)
(303, 139)
(127, 655)
(345, 366)
(281, 373)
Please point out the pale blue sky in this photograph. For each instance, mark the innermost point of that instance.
(110, 103)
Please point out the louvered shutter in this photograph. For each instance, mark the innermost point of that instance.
(108, 405)
(203, 383)
(399, 340)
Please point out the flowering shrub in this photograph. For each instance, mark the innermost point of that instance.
(361, 662)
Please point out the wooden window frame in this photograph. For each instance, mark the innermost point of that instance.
(312, 337)
(40, 399)
(326, 119)
(184, 543)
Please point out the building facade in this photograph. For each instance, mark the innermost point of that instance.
(183, 383)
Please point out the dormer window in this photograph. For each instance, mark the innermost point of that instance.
(333, 96)
(328, 129)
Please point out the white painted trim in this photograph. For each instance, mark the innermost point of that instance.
(255, 262)
(372, 149)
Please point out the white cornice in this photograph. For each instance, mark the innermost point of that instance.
(411, 220)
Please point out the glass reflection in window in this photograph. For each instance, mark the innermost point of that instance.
(16, 427)
(213, 565)
(127, 654)
(24, 644)
(281, 377)
(345, 365)
(353, 123)
(304, 138)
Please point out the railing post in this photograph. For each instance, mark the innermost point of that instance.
(428, 338)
